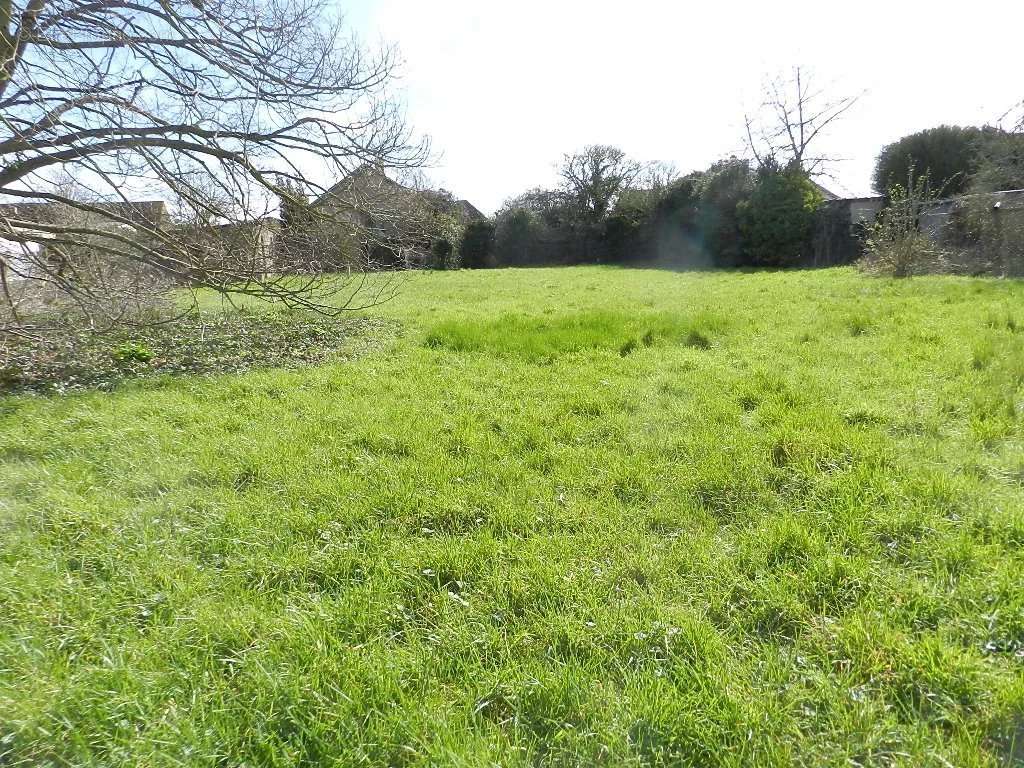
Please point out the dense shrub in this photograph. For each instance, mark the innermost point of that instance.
(626, 229)
(517, 237)
(672, 236)
(777, 220)
(652, 225)
(680, 205)
(968, 235)
(725, 216)
(445, 229)
(442, 254)
(477, 247)
(1000, 163)
(539, 227)
(723, 188)
(948, 155)
(894, 244)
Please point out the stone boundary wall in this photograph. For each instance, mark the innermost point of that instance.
(980, 234)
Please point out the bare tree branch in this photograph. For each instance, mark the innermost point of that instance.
(204, 104)
(790, 119)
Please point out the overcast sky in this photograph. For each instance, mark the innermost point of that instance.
(504, 89)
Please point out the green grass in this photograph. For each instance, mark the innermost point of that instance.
(546, 338)
(568, 517)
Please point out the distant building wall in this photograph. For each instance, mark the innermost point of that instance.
(979, 234)
(838, 231)
(864, 210)
(976, 234)
(939, 218)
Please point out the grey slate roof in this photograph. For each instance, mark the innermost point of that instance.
(146, 212)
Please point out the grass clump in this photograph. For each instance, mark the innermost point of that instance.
(696, 339)
(543, 339)
(496, 540)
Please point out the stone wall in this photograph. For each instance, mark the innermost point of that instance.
(979, 234)
(838, 231)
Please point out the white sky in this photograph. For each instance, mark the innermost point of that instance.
(505, 88)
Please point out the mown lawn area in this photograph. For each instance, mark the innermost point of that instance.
(566, 517)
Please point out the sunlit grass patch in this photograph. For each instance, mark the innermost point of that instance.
(546, 337)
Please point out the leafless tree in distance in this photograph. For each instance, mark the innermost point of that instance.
(1016, 115)
(219, 107)
(793, 115)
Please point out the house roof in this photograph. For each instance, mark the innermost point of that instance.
(147, 212)
(368, 181)
(366, 177)
(826, 193)
(470, 212)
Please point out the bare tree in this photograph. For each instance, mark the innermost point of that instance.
(792, 117)
(595, 177)
(216, 106)
(1018, 123)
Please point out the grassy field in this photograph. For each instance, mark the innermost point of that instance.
(573, 516)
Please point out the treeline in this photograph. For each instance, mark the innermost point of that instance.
(761, 213)
(611, 209)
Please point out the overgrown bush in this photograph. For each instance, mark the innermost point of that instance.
(777, 220)
(725, 216)
(672, 236)
(1000, 163)
(445, 232)
(442, 254)
(477, 247)
(680, 205)
(539, 227)
(517, 235)
(626, 232)
(894, 244)
(723, 188)
(958, 160)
